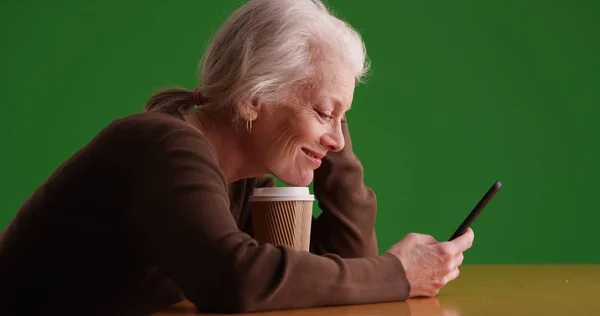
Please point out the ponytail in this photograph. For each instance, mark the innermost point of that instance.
(172, 100)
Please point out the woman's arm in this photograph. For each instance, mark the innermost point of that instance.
(347, 225)
(179, 220)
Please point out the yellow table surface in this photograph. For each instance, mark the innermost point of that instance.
(481, 290)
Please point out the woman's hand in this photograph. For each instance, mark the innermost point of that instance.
(430, 264)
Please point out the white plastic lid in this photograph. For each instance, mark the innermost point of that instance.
(282, 194)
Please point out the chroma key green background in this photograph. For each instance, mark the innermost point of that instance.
(462, 93)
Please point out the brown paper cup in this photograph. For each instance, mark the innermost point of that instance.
(282, 217)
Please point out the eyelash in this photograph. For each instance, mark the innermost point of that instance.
(325, 116)
(329, 117)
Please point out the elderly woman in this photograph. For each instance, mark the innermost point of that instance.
(154, 209)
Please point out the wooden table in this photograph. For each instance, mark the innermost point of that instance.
(481, 290)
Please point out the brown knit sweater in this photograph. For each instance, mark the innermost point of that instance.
(142, 217)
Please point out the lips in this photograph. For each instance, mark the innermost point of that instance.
(313, 156)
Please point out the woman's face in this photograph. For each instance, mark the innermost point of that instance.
(291, 138)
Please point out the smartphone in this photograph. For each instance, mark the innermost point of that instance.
(478, 208)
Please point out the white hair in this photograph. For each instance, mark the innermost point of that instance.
(264, 50)
(266, 47)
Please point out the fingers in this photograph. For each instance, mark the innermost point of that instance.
(453, 263)
(436, 263)
(450, 276)
(433, 287)
(448, 265)
(448, 258)
(458, 260)
(429, 290)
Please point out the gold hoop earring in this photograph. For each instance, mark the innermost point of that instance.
(249, 126)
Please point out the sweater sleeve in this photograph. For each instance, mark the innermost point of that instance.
(347, 225)
(179, 220)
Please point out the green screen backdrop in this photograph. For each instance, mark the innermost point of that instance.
(461, 93)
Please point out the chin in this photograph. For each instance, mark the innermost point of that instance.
(297, 180)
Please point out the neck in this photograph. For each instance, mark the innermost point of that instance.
(228, 143)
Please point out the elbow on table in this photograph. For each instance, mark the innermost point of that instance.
(244, 303)
(237, 298)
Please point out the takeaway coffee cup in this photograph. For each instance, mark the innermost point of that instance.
(282, 216)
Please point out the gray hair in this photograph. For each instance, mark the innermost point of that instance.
(264, 50)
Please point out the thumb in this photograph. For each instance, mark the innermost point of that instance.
(464, 241)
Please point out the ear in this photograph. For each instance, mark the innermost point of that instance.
(248, 108)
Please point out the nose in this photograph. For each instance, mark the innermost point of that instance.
(334, 139)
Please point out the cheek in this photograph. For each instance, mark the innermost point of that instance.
(308, 131)
(311, 132)
(284, 139)
(289, 137)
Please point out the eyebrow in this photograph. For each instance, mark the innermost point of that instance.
(338, 104)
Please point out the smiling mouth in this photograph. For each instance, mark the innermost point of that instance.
(313, 156)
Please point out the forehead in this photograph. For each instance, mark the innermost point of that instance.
(333, 87)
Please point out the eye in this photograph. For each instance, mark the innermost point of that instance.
(325, 115)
